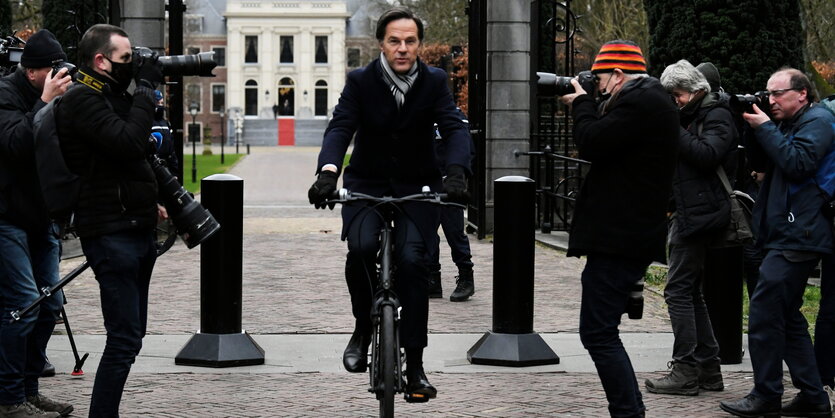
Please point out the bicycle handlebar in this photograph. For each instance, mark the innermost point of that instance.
(345, 196)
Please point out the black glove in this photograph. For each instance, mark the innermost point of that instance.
(455, 185)
(149, 73)
(322, 189)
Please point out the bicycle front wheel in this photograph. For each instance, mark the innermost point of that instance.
(388, 365)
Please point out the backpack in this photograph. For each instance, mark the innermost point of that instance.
(60, 187)
(826, 170)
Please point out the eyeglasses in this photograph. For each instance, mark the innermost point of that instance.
(779, 92)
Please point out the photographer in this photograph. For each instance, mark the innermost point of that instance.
(620, 219)
(104, 134)
(700, 212)
(794, 234)
(29, 241)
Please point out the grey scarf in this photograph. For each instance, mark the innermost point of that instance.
(398, 84)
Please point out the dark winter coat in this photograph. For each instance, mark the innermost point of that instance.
(21, 202)
(700, 200)
(788, 209)
(622, 206)
(394, 149)
(108, 145)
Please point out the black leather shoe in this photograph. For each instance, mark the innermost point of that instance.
(751, 406)
(355, 357)
(48, 370)
(418, 388)
(801, 407)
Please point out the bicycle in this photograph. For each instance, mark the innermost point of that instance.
(386, 367)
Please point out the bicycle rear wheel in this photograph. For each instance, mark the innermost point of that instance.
(388, 364)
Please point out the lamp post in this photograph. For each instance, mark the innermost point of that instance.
(222, 134)
(238, 130)
(192, 109)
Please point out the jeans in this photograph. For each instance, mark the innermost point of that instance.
(694, 342)
(452, 222)
(607, 280)
(122, 263)
(410, 278)
(825, 324)
(28, 262)
(778, 332)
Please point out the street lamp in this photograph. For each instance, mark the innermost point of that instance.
(192, 109)
(222, 133)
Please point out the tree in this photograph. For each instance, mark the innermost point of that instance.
(68, 20)
(5, 18)
(445, 20)
(747, 40)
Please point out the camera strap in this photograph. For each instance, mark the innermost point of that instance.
(90, 81)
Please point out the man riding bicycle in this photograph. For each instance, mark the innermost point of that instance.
(391, 105)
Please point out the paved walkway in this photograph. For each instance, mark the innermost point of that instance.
(295, 304)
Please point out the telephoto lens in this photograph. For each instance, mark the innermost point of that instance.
(635, 305)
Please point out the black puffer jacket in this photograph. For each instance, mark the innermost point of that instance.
(108, 145)
(21, 202)
(700, 200)
(622, 206)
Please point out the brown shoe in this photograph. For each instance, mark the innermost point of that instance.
(62, 408)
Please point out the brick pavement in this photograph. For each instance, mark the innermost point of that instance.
(293, 283)
(345, 395)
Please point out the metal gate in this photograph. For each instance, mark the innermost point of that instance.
(554, 167)
(477, 82)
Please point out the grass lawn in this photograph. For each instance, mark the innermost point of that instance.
(656, 277)
(206, 166)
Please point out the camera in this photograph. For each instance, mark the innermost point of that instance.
(11, 49)
(743, 103)
(200, 64)
(194, 223)
(549, 84)
(59, 64)
(635, 304)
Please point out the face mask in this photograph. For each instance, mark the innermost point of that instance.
(605, 94)
(121, 72)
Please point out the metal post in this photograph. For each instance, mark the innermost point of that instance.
(722, 289)
(512, 341)
(221, 341)
(222, 135)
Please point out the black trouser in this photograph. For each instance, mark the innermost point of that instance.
(410, 277)
(452, 222)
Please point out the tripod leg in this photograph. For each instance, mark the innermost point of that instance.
(79, 362)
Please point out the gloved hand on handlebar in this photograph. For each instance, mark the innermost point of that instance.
(455, 185)
(322, 189)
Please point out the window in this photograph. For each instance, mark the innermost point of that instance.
(321, 98)
(193, 50)
(286, 54)
(353, 57)
(286, 97)
(218, 97)
(220, 55)
(321, 49)
(193, 95)
(251, 98)
(194, 24)
(251, 49)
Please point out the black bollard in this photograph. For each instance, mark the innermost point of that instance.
(220, 342)
(722, 289)
(512, 341)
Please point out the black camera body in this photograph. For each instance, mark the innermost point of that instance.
(58, 65)
(635, 304)
(194, 223)
(200, 64)
(743, 103)
(11, 50)
(549, 84)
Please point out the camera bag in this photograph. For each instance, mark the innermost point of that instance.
(60, 187)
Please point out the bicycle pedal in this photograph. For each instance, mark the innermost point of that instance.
(416, 397)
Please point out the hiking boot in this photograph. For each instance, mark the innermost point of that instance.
(464, 286)
(418, 388)
(435, 291)
(683, 379)
(710, 377)
(49, 405)
(25, 410)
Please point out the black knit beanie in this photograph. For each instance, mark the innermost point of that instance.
(41, 50)
(711, 74)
